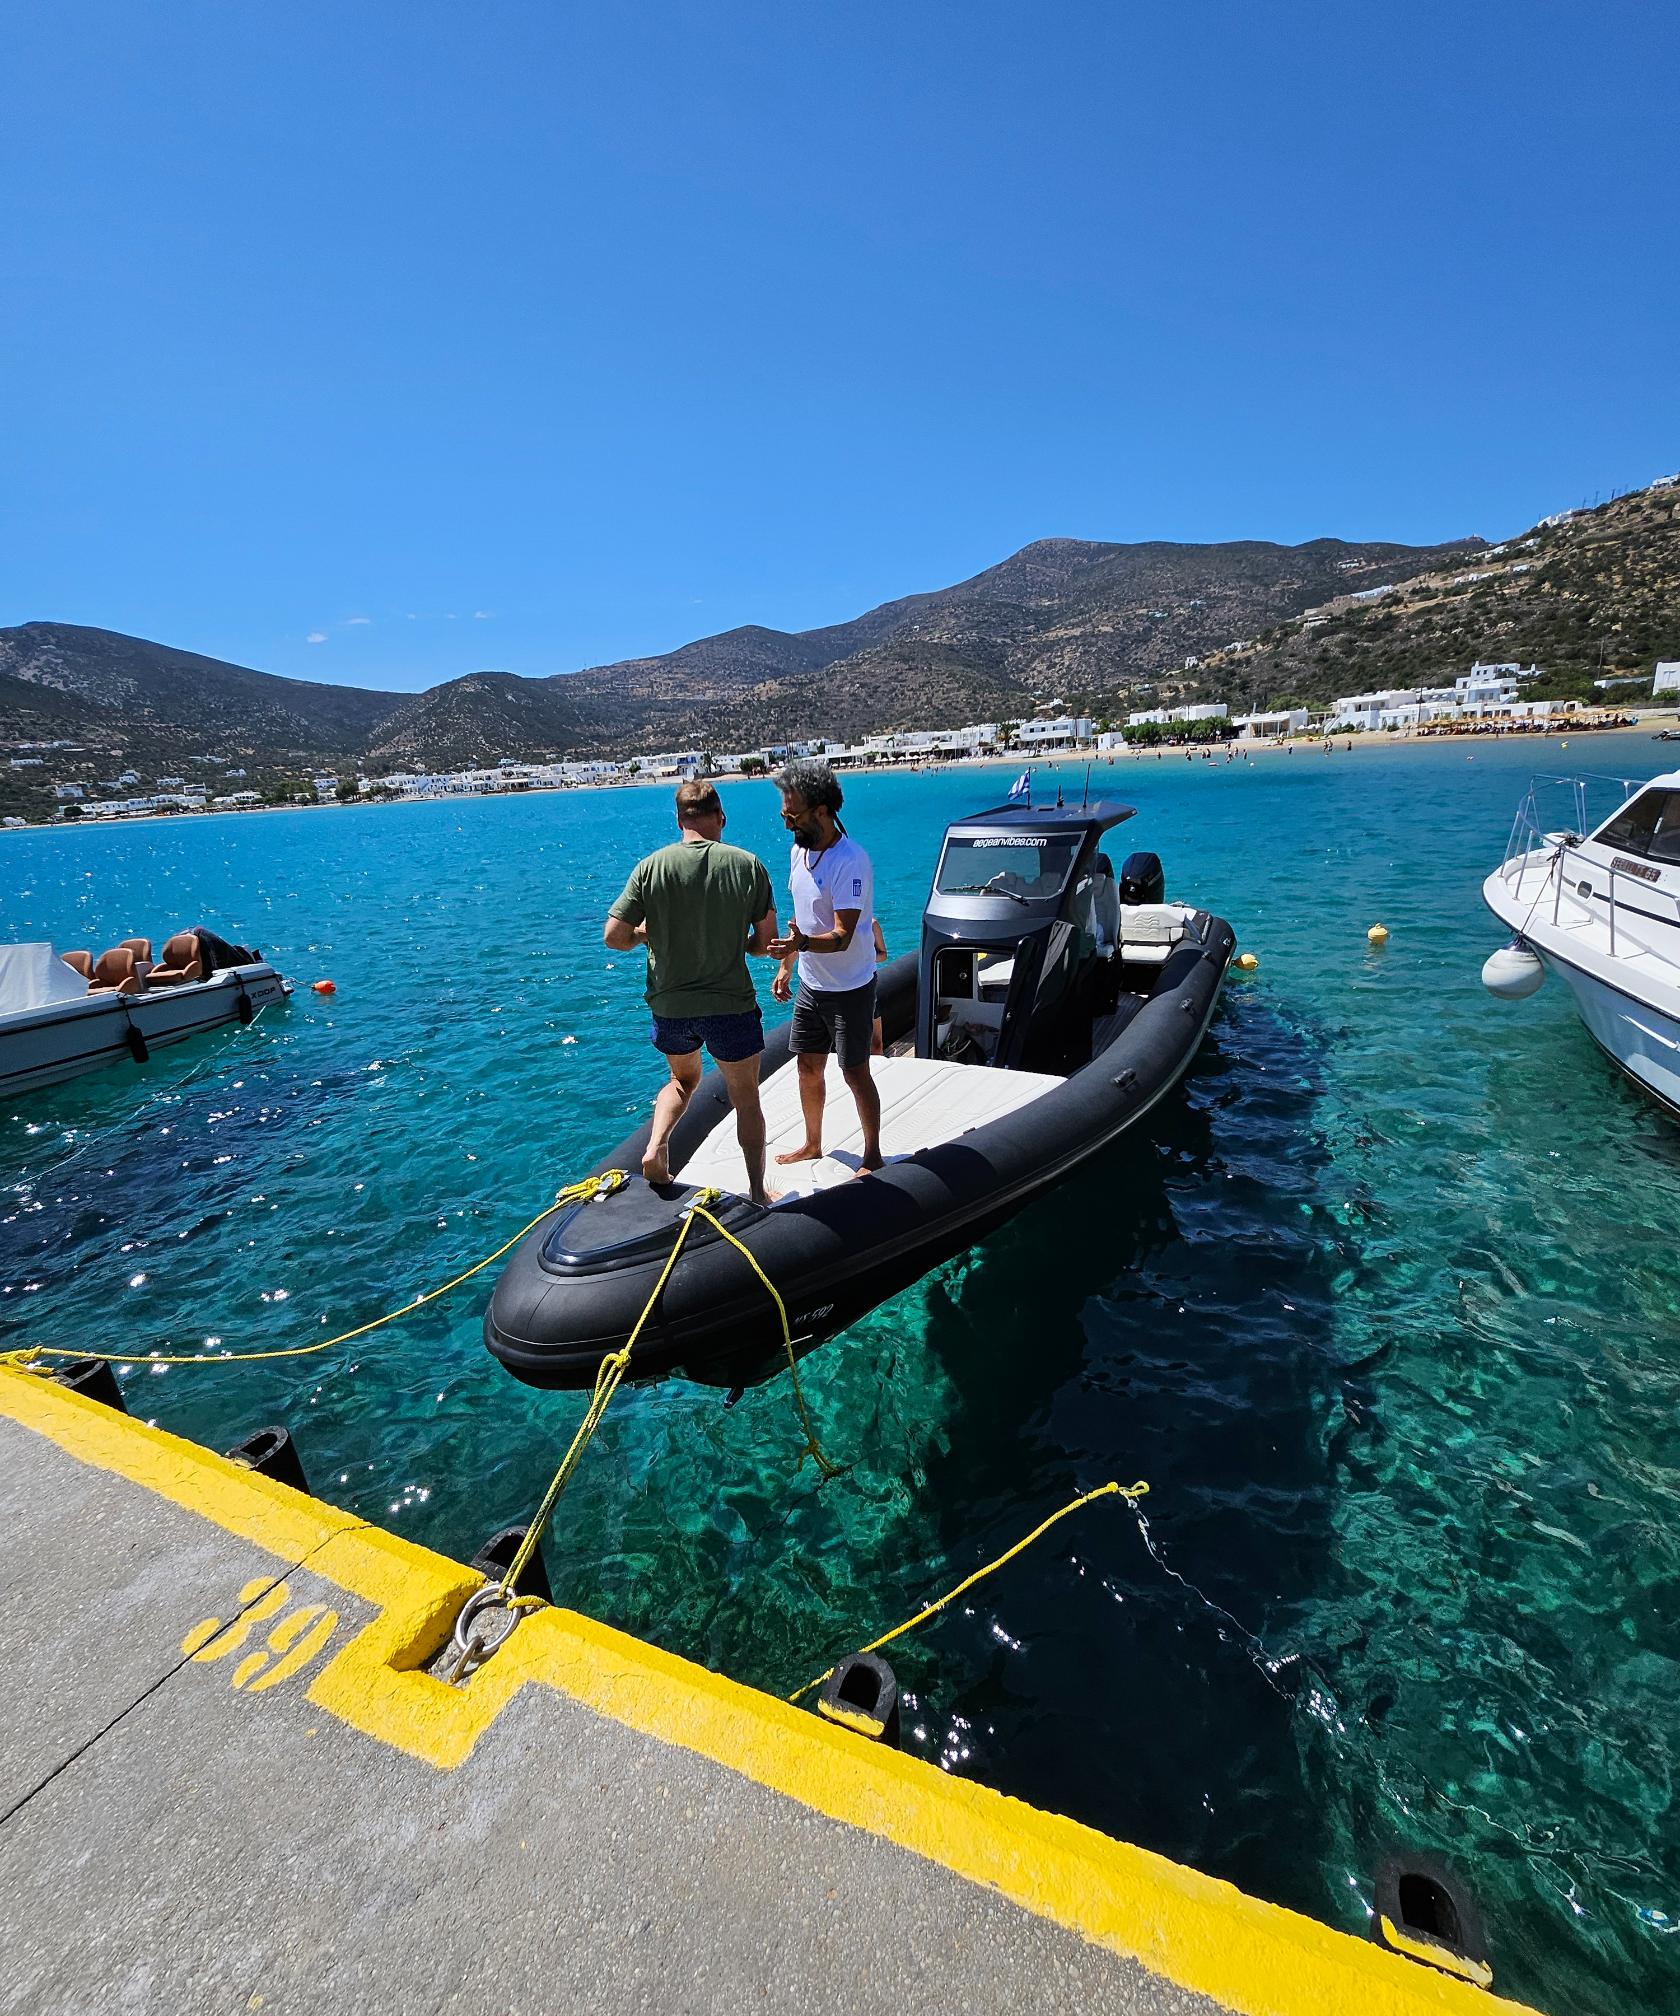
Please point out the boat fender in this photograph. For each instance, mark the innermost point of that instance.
(495, 1558)
(861, 1694)
(95, 1378)
(271, 1452)
(138, 1048)
(1422, 1911)
(1377, 935)
(246, 1013)
(1514, 972)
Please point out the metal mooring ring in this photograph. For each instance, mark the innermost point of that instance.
(471, 1643)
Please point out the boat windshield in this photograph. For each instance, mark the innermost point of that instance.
(1648, 826)
(1029, 866)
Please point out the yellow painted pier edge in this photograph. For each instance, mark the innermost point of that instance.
(1187, 1928)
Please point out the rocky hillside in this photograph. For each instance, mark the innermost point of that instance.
(476, 720)
(207, 699)
(1589, 595)
(1063, 618)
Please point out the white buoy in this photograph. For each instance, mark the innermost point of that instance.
(1513, 972)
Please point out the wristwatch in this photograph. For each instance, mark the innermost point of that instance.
(800, 941)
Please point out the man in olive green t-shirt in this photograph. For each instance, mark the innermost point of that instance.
(700, 907)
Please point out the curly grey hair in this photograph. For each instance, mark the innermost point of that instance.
(813, 781)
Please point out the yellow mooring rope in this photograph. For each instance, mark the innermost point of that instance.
(591, 1188)
(813, 1449)
(607, 1377)
(607, 1380)
(1131, 1492)
(612, 1370)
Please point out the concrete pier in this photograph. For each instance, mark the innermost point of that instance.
(228, 1783)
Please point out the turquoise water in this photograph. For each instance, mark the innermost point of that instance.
(1383, 1306)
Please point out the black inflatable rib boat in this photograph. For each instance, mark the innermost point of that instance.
(1050, 1004)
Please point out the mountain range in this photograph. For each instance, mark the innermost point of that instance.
(1062, 619)
(1094, 626)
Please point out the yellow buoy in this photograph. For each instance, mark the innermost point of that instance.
(1378, 934)
(1246, 962)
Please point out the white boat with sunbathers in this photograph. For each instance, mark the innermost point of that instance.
(1597, 901)
(64, 1013)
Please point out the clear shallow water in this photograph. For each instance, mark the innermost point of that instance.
(1383, 1306)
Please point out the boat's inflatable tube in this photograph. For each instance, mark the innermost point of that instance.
(576, 1285)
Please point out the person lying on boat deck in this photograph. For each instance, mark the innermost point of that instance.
(700, 907)
(833, 890)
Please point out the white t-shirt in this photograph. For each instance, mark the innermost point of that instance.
(839, 878)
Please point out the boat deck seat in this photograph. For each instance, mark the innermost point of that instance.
(923, 1104)
(117, 972)
(183, 961)
(1150, 931)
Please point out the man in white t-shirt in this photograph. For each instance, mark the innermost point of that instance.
(832, 939)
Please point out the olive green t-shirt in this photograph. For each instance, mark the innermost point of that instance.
(699, 900)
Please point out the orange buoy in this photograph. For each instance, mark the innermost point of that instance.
(326, 986)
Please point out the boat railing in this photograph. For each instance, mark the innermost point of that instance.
(1632, 933)
(1529, 838)
(1574, 807)
(1537, 847)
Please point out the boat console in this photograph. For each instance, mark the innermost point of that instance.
(1026, 939)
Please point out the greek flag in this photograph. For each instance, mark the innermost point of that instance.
(1022, 787)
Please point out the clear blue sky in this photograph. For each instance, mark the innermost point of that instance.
(626, 324)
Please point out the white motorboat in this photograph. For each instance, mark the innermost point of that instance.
(53, 1028)
(1599, 905)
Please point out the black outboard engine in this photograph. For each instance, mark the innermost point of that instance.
(1141, 879)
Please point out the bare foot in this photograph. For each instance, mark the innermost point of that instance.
(769, 1197)
(867, 1168)
(654, 1169)
(805, 1154)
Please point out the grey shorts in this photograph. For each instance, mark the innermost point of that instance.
(843, 1023)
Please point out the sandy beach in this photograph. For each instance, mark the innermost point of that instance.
(1062, 765)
